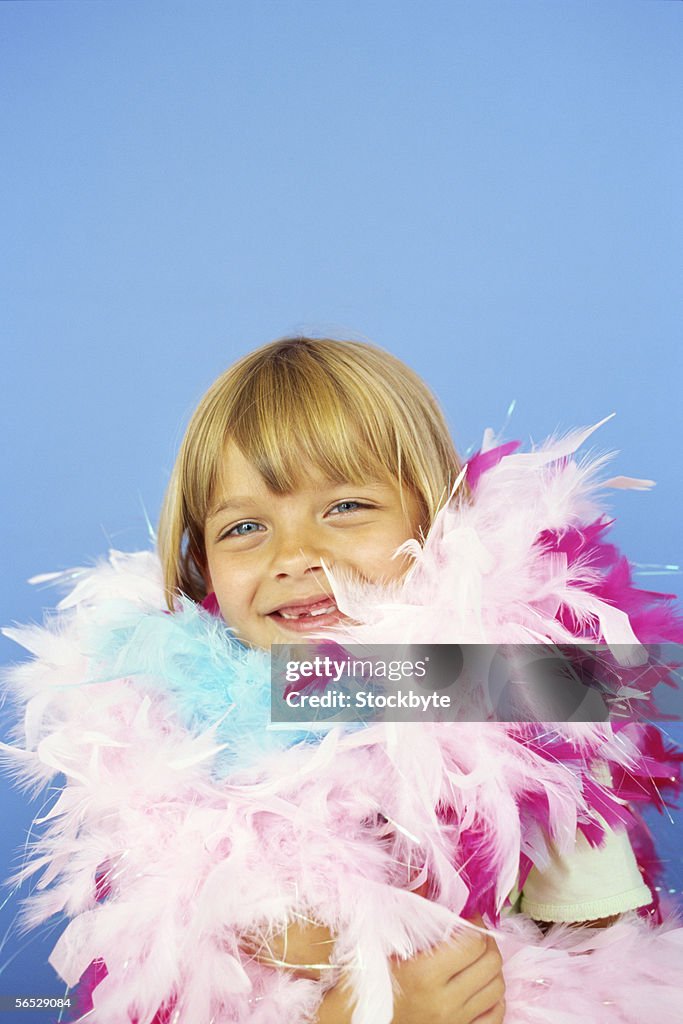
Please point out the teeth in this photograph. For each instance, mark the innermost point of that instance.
(321, 611)
(307, 614)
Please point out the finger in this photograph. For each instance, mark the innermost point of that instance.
(478, 975)
(487, 998)
(450, 958)
(496, 1015)
(463, 951)
(471, 952)
(446, 962)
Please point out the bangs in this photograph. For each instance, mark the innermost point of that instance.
(290, 415)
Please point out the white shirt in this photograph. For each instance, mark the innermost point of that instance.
(590, 883)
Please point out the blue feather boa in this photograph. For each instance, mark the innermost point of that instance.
(211, 679)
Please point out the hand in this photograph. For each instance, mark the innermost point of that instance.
(456, 982)
(459, 981)
(303, 948)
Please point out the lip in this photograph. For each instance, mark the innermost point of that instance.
(302, 603)
(308, 623)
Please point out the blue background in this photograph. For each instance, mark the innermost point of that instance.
(490, 190)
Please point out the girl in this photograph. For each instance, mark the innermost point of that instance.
(284, 469)
(256, 875)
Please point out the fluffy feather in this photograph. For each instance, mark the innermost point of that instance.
(185, 816)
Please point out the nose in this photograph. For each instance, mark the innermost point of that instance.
(297, 553)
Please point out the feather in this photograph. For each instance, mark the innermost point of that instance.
(184, 814)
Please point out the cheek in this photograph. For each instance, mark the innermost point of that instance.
(377, 561)
(234, 611)
(394, 568)
(230, 590)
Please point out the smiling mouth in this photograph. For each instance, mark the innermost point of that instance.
(320, 613)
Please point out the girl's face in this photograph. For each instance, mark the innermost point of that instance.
(265, 551)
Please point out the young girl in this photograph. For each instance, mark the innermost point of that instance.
(219, 870)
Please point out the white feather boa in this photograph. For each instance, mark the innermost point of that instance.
(186, 824)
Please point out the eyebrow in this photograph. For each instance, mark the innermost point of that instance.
(240, 501)
(232, 503)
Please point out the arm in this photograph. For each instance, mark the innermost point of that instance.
(459, 981)
(304, 949)
(456, 982)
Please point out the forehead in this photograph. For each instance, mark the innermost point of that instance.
(237, 474)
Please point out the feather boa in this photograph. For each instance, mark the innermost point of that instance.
(187, 823)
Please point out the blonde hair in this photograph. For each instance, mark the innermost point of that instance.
(346, 407)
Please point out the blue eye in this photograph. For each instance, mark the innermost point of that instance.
(243, 529)
(345, 506)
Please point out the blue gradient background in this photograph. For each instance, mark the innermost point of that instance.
(486, 189)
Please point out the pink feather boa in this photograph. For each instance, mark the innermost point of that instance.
(164, 868)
